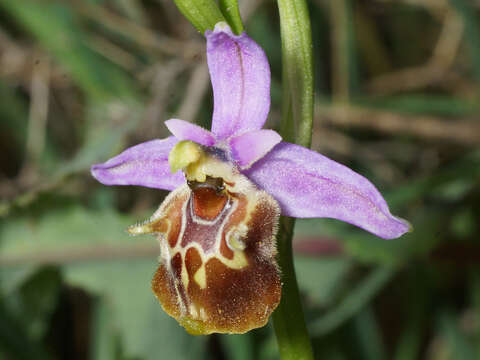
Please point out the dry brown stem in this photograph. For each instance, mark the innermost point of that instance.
(141, 35)
(443, 57)
(463, 131)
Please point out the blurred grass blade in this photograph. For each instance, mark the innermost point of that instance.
(102, 333)
(319, 277)
(344, 62)
(231, 12)
(458, 345)
(104, 136)
(475, 296)
(415, 298)
(55, 25)
(35, 300)
(369, 336)
(471, 22)
(425, 104)
(202, 14)
(13, 114)
(15, 342)
(354, 302)
(239, 347)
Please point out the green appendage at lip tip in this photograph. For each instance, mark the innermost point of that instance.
(193, 327)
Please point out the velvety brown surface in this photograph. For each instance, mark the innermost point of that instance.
(233, 300)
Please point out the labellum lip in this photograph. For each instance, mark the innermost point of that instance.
(218, 271)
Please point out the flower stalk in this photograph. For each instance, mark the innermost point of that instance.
(297, 61)
(288, 319)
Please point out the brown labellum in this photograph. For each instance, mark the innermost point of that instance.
(217, 269)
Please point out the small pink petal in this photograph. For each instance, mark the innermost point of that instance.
(252, 146)
(183, 130)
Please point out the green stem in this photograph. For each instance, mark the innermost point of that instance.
(297, 65)
(288, 319)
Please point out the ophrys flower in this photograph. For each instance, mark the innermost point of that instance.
(217, 229)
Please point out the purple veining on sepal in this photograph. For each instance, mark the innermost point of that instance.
(183, 130)
(252, 146)
(145, 164)
(240, 77)
(307, 184)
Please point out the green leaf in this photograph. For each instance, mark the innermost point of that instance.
(202, 14)
(231, 12)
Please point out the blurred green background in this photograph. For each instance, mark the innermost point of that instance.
(397, 99)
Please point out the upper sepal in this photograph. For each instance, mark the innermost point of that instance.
(250, 147)
(240, 77)
(307, 184)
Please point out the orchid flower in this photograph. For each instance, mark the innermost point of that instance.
(217, 227)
